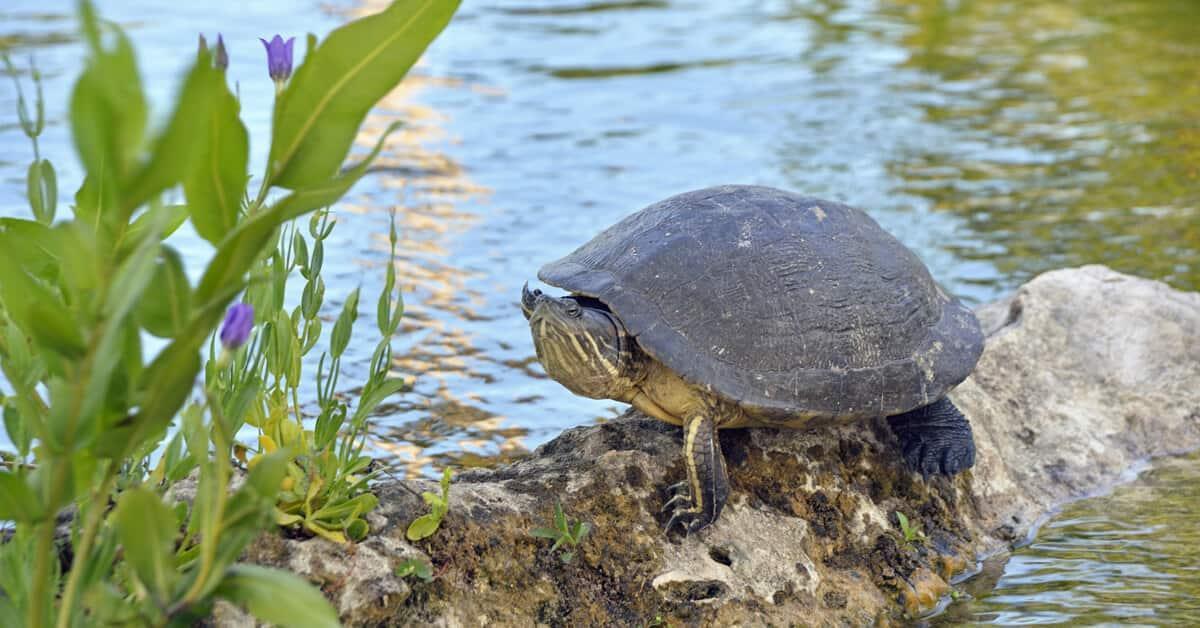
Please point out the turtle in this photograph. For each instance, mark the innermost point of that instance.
(747, 306)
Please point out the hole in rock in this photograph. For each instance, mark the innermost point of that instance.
(721, 555)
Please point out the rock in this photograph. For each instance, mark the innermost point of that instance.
(1086, 371)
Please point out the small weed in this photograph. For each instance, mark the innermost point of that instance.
(427, 524)
(912, 534)
(563, 533)
(416, 568)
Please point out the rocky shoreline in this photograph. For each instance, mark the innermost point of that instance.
(1086, 371)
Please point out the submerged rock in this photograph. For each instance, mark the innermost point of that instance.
(1086, 371)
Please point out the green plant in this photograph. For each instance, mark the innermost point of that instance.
(416, 568)
(425, 525)
(563, 533)
(90, 418)
(912, 534)
(325, 490)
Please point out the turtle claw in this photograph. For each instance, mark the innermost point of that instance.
(685, 517)
(683, 511)
(679, 498)
(677, 487)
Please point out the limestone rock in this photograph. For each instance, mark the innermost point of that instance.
(1086, 371)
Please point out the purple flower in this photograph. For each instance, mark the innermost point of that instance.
(221, 60)
(279, 58)
(236, 329)
(220, 56)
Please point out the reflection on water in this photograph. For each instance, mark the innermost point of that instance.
(1128, 558)
(1072, 128)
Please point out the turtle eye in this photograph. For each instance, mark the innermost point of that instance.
(573, 309)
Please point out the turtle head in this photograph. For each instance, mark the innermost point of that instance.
(580, 344)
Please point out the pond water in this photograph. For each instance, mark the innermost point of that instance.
(996, 139)
(1128, 558)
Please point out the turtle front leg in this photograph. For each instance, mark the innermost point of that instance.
(697, 501)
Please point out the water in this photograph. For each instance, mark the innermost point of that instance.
(996, 139)
(1128, 558)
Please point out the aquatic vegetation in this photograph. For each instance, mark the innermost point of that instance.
(425, 525)
(563, 533)
(106, 440)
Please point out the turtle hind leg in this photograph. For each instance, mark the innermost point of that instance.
(935, 439)
(696, 502)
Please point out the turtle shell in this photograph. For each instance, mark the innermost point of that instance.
(781, 303)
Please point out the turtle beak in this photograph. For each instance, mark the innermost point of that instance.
(530, 300)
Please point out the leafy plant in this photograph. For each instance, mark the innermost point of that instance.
(416, 568)
(325, 491)
(563, 533)
(89, 418)
(912, 534)
(425, 525)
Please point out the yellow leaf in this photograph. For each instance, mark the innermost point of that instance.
(333, 535)
(285, 519)
(292, 435)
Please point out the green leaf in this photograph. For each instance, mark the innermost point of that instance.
(423, 526)
(446, 485)
(166, 218)
(357, 530)
(18, 502)
(267, 475)
(545, 533)
(238, 410)
(195, 432)
(147, 530)
(51, 325)
(19, 430)
(357, 65)
(312, 297)
(277, 597)
(177, 148)
(41, 187)
(371, 400)
(108, 118)
(19, 292)
(216, 181)
(236, 254)
(415, 567)
(560, 518)
(344, 326)
(165, 385)
(327, 192)
(128, 284)
(338, 512)
(34, 246)
(165, 308)
(133, 275)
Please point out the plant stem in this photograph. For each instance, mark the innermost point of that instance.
(45, 547)
(90, 528)
(208, 550)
